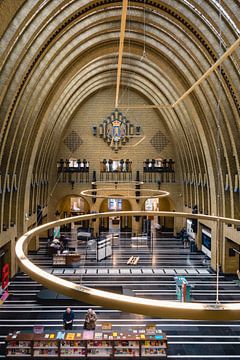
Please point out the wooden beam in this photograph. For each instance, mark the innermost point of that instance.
(209, 71)
(230, 50)
(120, 51)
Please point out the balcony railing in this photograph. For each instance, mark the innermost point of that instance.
(77, 171)
(159, 166)
(158, 177)
(158, 170)
(73, 166)
(115, 176)
(74, 177)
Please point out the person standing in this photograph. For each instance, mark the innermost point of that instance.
(68, 318)
(90, 320)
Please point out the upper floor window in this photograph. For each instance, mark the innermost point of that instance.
(115, 204)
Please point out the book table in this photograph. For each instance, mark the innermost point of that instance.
(101, 345)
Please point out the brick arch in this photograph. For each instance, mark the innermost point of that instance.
(17, 108)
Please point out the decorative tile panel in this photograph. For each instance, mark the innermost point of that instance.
(159, 141)
(73, 141)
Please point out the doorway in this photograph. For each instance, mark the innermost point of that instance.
(114, 223)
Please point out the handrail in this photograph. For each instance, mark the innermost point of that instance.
(149, 307)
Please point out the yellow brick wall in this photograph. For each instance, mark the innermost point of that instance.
(94, 149)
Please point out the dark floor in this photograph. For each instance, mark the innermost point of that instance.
(153, 277)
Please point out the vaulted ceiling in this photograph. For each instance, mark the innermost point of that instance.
(55, 54)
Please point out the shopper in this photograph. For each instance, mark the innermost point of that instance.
(90, 320)
(56, 246)
(64, 241)
(238, 276)
(68, 318)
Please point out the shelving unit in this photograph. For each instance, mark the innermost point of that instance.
(99, 348)
(104, 248)
(154, 348)
(126, 348)
(64, 345)
(45, 346)
(67, 259)
(19, 346)
(59, 260)
(72, 348)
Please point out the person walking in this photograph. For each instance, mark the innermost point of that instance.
(90, 320)
(68, 318)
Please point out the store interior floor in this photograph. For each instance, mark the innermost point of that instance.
(152, 277)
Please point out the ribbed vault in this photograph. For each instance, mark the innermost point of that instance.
(55, 55)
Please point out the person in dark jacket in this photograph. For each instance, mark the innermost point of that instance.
(68, 317)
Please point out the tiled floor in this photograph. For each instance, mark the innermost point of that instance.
(153, 277)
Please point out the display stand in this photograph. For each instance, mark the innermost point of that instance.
(67, 259)
(19, 346)
(140, 241)
(126, 347)
(104, 248)
(83, 235)
(154, 348)
(99, 348)
(59, 260)
(45, 346)
(104, 345)
(183, 289)
(73, 348)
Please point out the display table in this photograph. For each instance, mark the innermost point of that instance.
(68, 259)
(87, 344)
(139, 241)
(83, 235)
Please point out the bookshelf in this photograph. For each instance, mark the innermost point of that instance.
(126, 348)
(45, 345)
(153, 348)
(19, 346)
(99, 348)
(72, 348)
(67, 345)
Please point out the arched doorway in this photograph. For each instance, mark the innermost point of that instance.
(167, 223)
(159, 204)
(115, 224)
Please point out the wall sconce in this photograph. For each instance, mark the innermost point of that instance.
(137, 187)
(94, 131)
(138, 130)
